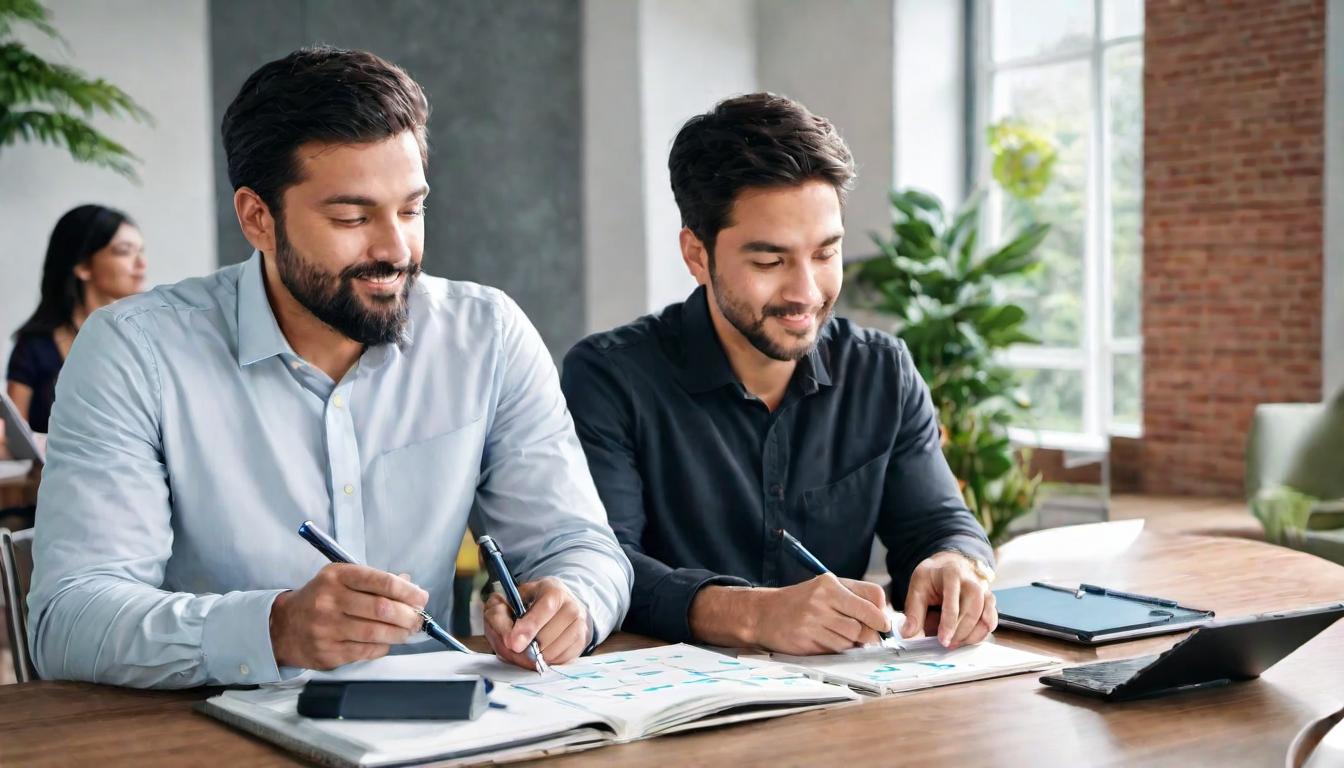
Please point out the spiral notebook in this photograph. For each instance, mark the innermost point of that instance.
(605, 699)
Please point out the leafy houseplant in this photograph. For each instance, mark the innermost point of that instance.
(946, 302)
(52, 103)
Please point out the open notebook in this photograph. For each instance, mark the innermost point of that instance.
(911, 665)
(603, 699)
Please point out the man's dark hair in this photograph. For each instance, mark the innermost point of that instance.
(756, 140)
(322, 94)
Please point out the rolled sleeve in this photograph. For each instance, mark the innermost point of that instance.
(668, 613)
(922, 510)
(535, 495)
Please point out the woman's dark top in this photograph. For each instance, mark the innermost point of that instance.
(35, 362)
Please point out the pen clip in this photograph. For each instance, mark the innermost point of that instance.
(1077, 593)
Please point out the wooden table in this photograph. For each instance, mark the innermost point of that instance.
(18, 490)
(1006, 722)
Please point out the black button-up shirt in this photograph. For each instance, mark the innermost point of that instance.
(698, 475)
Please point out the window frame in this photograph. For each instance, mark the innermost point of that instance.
(1099, 346)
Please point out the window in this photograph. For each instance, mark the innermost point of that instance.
(1073, 70)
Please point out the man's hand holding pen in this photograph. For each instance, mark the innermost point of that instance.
(346, 613)
(555, 619)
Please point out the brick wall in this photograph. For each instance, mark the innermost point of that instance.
(1234, 100)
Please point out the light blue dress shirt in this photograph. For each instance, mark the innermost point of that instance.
(189, 441)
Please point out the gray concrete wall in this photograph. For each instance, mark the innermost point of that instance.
(838, 59)
(616, 265)
(506, 130)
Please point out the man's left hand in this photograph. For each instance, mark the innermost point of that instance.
(947, 583)
(555, 619)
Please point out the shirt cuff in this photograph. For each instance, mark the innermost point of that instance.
(668, 616)
(236, 640)
(966, 545)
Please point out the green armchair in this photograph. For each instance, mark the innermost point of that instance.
(1295, 475)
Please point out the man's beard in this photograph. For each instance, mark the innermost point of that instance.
(333, 300)
(752, 327)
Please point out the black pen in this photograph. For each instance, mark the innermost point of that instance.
(499, 572)
(1093, 589)
(337, 554)
(816, 566)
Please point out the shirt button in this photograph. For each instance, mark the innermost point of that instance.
(777, 491)
(296, 365)
(337, 401)
(349, 489)
(243, 669)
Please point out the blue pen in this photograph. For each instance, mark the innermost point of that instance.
(337, 554)
(499, 571)
(810, 560)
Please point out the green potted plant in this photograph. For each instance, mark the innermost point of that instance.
(945, 297)
(52, 103)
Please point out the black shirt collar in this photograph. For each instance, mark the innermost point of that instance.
(706, 365)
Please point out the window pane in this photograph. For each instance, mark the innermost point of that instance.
(1122, 18)
(1124, 126)
(1056, 400)
(1054, 100)
(1127, 402)
(1025, 28)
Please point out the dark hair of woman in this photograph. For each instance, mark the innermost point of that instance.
(79, 234)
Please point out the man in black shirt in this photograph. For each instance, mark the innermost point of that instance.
(749, 408)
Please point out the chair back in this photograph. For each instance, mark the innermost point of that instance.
(16, 575)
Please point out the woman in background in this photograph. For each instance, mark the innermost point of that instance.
(95, 256)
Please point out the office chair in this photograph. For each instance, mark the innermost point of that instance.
(16, 574)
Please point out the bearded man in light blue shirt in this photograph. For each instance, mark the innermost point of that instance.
(196, 426)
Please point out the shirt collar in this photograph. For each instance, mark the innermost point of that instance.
(706, 365)
(259, 336)
(814, 370)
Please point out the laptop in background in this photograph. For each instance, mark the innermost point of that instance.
(19, 438)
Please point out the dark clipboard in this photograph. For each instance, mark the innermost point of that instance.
(1091, 618)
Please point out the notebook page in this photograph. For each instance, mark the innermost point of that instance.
(923, 664)
(646, 691)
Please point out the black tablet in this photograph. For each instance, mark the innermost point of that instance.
(1216, 654)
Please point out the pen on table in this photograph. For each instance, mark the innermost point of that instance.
(1095, 590)
(810, 560)
(499, 572)
(337, 554)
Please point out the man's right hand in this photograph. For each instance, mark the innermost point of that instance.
(823, 615)
(346, 613)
